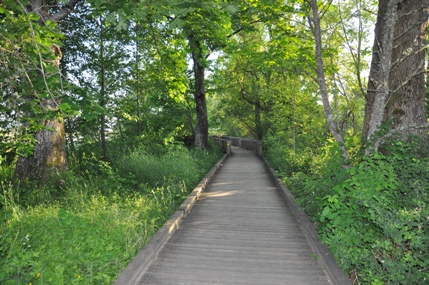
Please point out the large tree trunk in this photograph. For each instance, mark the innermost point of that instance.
(49, 155)
(396, 87)
(202, 125)
(406, 104)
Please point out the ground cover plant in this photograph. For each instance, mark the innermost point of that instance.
(374, 215)
(87, 227)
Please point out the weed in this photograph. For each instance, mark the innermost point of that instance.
(373, 216)
(86, 228)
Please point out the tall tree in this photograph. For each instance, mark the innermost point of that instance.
(49, 150)
(314, 22)
(199, 66)
(396, 86)
(206, 29)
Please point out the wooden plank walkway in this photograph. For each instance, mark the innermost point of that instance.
(239, 232)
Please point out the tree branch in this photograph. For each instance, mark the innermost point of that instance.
(65, 11)
(242, 28)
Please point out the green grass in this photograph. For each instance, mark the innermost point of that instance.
(87, 230)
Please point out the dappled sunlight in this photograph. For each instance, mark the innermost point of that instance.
(221, 194)
(221, 184)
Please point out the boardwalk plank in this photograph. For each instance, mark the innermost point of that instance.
(240, 231)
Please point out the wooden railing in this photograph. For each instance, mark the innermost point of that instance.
(223, 144)
(251, 144)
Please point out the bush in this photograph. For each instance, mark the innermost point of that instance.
(309, 188)
(374, 216)
(286, 160)
(377, 221)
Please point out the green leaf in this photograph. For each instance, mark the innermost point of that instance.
(64, 107)
(177, 23)
(232, 9)
(65, 217)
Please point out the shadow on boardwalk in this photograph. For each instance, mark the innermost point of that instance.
(239, 232)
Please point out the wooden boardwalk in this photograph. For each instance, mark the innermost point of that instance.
(240, 231)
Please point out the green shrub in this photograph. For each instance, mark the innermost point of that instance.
(309, 188)
(377, 221)
(286, 160)
(374, 216)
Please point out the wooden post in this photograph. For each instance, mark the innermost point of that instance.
(228, 147)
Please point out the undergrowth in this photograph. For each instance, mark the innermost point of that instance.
(374, 216)
(88, 225)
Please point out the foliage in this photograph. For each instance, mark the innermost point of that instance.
(376, 220)
(151, 171)
(28, 77)
(373, 216)
(87, 227)
(125, 76)
(323, 171)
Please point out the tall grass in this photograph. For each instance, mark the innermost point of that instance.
(92, 222)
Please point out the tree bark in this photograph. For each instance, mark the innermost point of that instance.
(103, 97)
(201, 126)
(321, 80)
(396, 87)
(49, 155)
(70, 133)
(139, 123)
(406, 105)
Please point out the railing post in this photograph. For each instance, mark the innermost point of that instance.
(228, 147)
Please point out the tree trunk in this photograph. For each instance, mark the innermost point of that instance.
(72, 145)
(201, 126)
(406, 104)
(139, 124)
(396, 87)
(258, 120)
(49, 155)
(103, 97)
(321, 80)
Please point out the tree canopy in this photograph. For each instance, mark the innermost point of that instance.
(310, 78)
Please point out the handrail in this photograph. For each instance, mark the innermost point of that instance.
(223, 144)
(251, 144)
